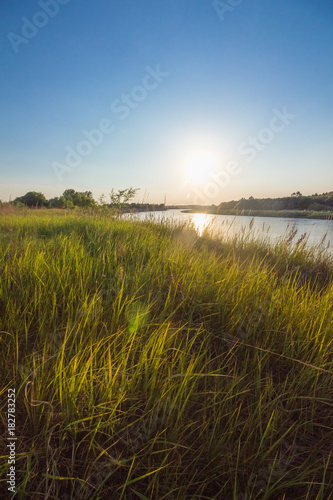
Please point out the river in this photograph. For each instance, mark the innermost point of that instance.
(318, 232)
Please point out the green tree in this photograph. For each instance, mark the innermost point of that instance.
(55, 203)
(32, 199)
(123, 196)
(78, 199)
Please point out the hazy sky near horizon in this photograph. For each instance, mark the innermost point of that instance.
(202, 101)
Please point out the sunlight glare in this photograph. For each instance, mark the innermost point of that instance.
(199, 166)
(200, 222)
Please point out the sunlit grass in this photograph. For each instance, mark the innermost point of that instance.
(153, 363)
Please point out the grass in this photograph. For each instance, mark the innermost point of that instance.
(150, 363)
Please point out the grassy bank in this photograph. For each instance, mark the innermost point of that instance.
(149, 363)
(290, 214)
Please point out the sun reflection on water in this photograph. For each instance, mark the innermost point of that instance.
(200, 222)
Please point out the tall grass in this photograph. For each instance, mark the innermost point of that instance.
(150, 363)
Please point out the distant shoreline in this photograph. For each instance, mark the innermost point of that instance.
(289, 214)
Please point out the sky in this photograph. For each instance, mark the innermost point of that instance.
(199, 101)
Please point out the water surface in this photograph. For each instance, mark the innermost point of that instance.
(317, 231)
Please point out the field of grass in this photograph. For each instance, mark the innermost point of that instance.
(149, 363)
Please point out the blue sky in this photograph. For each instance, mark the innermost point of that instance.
(178, 98)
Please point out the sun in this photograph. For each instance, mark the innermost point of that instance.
(199, 166)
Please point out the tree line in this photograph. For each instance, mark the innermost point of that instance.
(296, 201)
(71, 199)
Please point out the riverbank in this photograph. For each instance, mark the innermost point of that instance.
(290, 214)
(148, 360)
